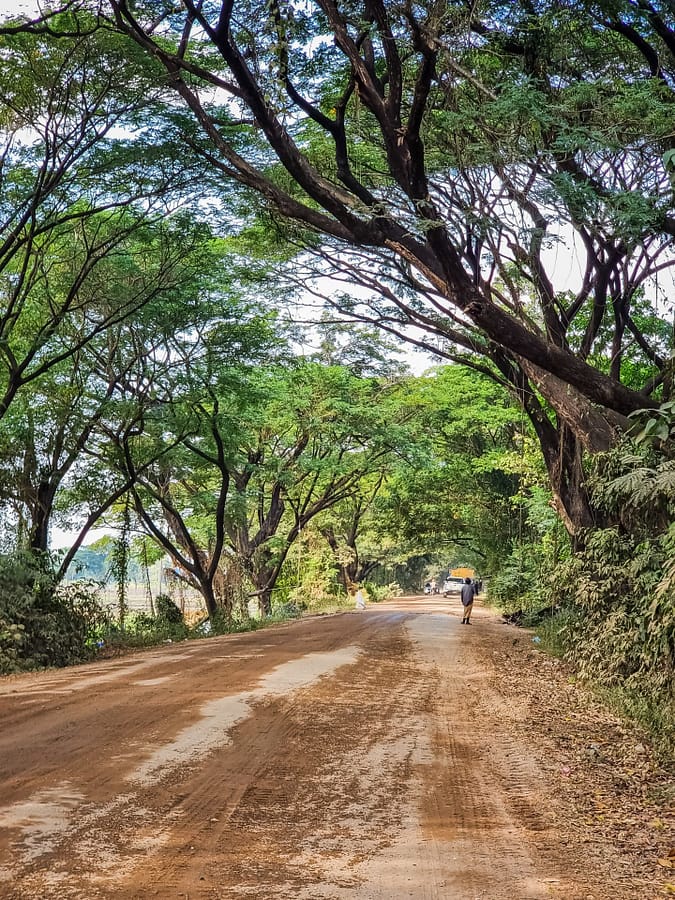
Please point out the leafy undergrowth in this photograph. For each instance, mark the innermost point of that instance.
(145, 631)
(645, 701)
(614, 666)
(329, 606)
(611, 783)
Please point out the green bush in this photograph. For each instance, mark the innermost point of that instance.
(43, 623)
(627, 681)
(167, 610)
(519, 585)
(623, 629)
(222, 623)
(617, 593)
(143, 630)
(376, 593)
(288, 610)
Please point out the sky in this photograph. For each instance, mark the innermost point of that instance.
(9, 7)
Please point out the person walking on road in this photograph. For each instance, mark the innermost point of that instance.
(468, 593)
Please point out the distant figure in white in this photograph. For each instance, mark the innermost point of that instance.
(360, 600)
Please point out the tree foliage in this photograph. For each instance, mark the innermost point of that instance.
(454, 495)
(619, 593)
(441, 154)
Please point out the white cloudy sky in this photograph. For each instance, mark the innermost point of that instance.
(7, 7)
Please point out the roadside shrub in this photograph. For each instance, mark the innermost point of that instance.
(623, 631)
(43, 623)
(555, 629)
(610, 656)
(144, 630)
(617, 594)
(519, 584)
(376, 593)
(222, 623)
(288, 610)
(167, 610)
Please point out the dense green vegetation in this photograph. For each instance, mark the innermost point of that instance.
(212, 240)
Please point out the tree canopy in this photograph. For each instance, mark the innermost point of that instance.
(439, 155)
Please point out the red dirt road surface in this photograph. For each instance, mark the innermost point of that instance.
(376, 754)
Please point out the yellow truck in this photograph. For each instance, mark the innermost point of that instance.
(463, 572)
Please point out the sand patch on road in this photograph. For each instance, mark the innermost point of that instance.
(218, 717)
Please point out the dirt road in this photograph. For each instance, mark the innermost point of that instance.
(363, 755)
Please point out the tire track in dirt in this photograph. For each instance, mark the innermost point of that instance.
(483, 820)
(288, 793)
(86, 819)
(452, 836)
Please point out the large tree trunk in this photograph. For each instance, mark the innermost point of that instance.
(263, 581)
(263, 572)
(265, 602)
(197, 580)
(563, 450)
(579, 427)
(596, 428)
(41, 512)
(355, 571)
(207, 592)
(563, 453)
(568, 482)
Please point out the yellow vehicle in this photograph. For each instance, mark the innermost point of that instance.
(463, 572)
